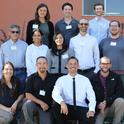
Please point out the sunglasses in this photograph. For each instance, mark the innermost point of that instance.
(13, 32)
(84, 24)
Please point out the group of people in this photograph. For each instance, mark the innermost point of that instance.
(57, 74)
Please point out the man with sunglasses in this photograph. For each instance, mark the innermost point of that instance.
(86, 50)
(14, 50)
(109, 93)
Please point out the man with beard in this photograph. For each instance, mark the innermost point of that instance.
(38, 91)
(113, 47)
(109, 93)
(70, 93)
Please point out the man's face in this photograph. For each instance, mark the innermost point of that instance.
(42, 65)
(105, 65)
(114, 28)
(83, 25)
(99, 10)
(67, 11)
(72, 66)
(14, 34)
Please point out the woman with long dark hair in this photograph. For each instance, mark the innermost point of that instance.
(41, 21)
(58, 55)
(10, 94)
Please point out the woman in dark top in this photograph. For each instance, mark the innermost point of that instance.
(10, 94)
(41, 21)
(58, 55)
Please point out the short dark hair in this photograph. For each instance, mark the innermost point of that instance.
(67, 4)
(41, 57)
(72, 57)
(47, 17)
(37, 29)
(98, 4)
(119, 24)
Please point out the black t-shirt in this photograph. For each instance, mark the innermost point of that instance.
(9, 95)
(41, 89)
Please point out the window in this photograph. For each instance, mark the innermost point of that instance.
(112, 7)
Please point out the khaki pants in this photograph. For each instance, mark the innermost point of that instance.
(116, 111)
(5, 117)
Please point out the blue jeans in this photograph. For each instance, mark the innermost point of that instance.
(21, 75)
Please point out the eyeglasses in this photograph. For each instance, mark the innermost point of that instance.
(13, 32)
(84, 24)
(105, 63)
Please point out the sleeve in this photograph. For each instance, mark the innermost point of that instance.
(57, 28)
(101, 48)
(51, 34)
(29, 33)
(91, 96)
(96, 56)
(57, 91)
(49, 59)
(29, 85)
(29, 63)
(119, 91)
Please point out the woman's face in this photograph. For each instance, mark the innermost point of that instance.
(42, 12)
(59, 40)
(8, 71)
(36, 37)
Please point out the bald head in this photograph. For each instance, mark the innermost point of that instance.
(105, 60)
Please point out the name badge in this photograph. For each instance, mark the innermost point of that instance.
(13, 47)
(42, 92)
(34, 26)
(113, 43)
(65, 56)
(68, 27)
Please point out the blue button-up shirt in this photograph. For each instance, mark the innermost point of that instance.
(99, 28)
(14, 52)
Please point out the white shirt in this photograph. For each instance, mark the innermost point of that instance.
(63, 91)
(32, 53)
(86, 51)
(99, 28)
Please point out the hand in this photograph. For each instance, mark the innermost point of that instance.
(64, 108)
(44, 106)
(13, 107)
(90, 114)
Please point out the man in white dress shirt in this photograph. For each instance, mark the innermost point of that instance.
(80, 107)
(86, 50)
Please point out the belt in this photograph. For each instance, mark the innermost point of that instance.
(20, 69)
(86, 70)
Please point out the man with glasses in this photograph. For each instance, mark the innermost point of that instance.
(86, 50)
(113, 47)
(14, 50)
(109, 93)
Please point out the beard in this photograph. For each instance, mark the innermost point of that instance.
(105, 70)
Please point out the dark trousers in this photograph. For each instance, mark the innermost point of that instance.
(74, 114)
(88, 72)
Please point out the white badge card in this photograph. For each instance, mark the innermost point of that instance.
(113, 43)
(42, 92)
(68, 27)
(65, 56)
(35, 26)
(13, 47)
